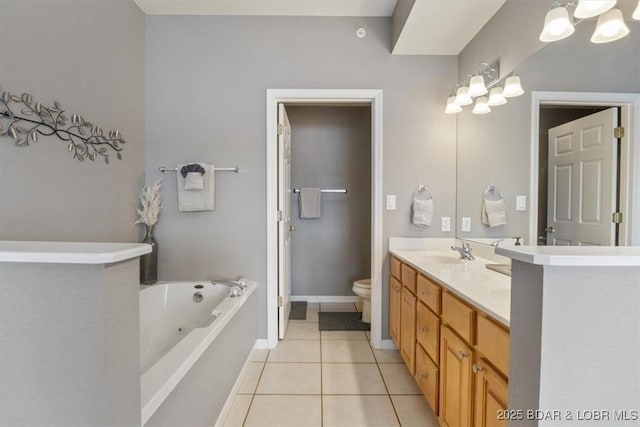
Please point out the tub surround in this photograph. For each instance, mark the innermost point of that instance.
(574, 327)
(70, 337)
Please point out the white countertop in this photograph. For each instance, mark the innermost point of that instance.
(592, 256)
(69, 252)
(469, 280)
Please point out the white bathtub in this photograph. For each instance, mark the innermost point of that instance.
(175, 330)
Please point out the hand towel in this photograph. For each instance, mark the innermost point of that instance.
(191, 201)
(494, 212)
(309, 203)
(422, 212)
(194, 181)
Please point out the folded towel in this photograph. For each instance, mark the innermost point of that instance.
(194, 181)
(190, 201)
(309, 203)
(422, 212)
(494, 212)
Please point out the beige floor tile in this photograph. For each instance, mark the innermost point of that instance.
(337, 306)
(251, 377)
(312, 317)
(302, 331)
(281, 411)
(346, 351)
(238, 411)
(352, 378)
(387, 356)
(398, 379)
(290, 378)
(414, 411)
(358, 411)
(296, 351)
(313, 306)
(368, 334)
(343, 335)
(259, 354)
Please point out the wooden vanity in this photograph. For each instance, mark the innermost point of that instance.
(456, 351)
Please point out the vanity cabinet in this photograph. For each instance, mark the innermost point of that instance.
(456, 380)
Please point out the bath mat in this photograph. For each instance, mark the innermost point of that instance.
(298, 310)
(341, 321)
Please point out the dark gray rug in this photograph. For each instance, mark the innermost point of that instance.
(298, 310)
(341, 321)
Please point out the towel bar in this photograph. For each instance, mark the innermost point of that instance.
(165, 169)
(343, 190)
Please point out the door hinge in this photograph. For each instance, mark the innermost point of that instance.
(279, 216)
(279, 301)
(616, 218)
(618, 132)
(280, 128)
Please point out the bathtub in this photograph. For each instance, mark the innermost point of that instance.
(178, 322)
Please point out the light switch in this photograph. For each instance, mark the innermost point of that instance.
(446, 223)
(521, 203)
(466, 224)
(391, 202)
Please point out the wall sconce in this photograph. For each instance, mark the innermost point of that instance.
(558, 24)
(484, 80)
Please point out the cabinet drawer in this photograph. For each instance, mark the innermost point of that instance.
(493, 342)
(428, 331)
(459, 316)
(409, 278)
(427, 378)
(395, 268)
(429, 293)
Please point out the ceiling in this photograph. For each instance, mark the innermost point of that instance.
(431, 27)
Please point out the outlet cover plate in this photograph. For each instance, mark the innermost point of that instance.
(466, 224)
(446, 223)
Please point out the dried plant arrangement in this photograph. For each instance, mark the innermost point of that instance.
(150, 205)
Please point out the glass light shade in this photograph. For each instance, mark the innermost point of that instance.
(481, 106)
(610, 27)
(496, 97)
(636, 13)
(452, 107)
(557, 25)
(590, 8)
(476, 86)
(462, 96)
(512, 87)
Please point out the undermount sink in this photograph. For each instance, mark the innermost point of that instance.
(440, 259)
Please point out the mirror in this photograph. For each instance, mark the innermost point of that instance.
(494, 150)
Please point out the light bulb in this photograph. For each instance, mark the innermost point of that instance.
(636, 13)
(610, 27)
(512, 87)
(481, 106)
(452, 107)
(496, 97)
(476, 86)
(557, 25)
(590, 8)
(462, 96)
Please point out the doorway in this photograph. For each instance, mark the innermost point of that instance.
(276, 307)
(550, 109)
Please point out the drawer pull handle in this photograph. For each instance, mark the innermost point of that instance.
(462, 355)
(423, 330)
(476, 368)
(423, 375)
(423, 292)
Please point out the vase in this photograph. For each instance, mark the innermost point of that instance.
(149, 262)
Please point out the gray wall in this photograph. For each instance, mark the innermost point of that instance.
(495, 148)
(331, 148)
(89, 56)
(206, 89)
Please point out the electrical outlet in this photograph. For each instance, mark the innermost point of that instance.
(446, 223)
(521, 203)
(466, 224)
(391, 202)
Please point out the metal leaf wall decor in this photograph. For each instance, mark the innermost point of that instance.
(84, 139)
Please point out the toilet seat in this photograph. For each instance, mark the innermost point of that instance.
(362, 284)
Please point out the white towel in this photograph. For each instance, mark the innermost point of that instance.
(191, 201)
(194, 181)
(309, 203)
(494, 212)
(422, 212)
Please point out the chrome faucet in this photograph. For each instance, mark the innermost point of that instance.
(237, 287)
(464, 251)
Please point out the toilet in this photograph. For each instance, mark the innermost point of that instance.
(362, 288)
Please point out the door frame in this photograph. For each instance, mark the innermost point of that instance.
(629, 161)
(372, 97)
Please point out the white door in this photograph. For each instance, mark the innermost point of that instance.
(284, 225)
(583, 181)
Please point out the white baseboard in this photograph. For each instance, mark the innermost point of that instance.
(388, 345)
(325, 298)
(261, 344)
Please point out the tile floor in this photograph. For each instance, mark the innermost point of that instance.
(327, 379)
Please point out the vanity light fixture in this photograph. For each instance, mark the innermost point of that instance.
(636, 13)
(610, 27)
(512, 87)
(496, 97)
(590, 8)
(477, 86)
(452, 107)
(462, 96)
(557, 25)
(481, 107)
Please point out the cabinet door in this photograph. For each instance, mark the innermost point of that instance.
(491, 396)
(408, 330)
(456, 380)
(395, 303)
